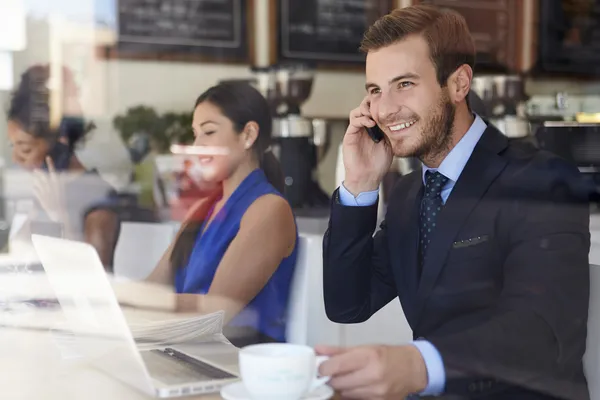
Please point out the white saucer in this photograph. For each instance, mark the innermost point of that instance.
(237, 391)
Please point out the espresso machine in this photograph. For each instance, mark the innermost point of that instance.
(298, 142)
(505, 103)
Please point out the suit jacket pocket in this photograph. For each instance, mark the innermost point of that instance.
(470, 248)
(472, 241)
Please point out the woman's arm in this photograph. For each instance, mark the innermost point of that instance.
(266, 236)
(49, 189)
(163, 273)
(100, 230)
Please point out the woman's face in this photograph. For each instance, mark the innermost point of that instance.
(27, 151)
(212, 128)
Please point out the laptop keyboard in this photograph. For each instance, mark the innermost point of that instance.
(175, 368)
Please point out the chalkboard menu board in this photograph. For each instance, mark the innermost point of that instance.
(496, 30)
(569, 37)
(194, 29)
(325, 31)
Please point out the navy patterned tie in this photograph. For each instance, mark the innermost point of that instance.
(431, 206)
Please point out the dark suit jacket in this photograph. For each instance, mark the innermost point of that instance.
(504, 292)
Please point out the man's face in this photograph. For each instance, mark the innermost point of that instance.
(406, 100)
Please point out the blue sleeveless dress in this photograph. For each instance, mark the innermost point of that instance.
(267, 312)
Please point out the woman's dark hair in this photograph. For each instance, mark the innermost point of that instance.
(30, 109)
(241, 103)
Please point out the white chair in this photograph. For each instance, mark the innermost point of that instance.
(140, 247)
(297, 324)
(307, 322)
(591, 358)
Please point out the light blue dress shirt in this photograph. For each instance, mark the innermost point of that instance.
(451, 167)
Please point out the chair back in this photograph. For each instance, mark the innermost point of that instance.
(307, 322)
(140, 247)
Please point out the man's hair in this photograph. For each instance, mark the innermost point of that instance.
(445, 31)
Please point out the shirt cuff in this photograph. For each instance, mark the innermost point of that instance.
(362, 200)
(436, 374)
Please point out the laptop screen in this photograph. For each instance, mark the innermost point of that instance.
(77, 277)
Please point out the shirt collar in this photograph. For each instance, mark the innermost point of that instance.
(454, 163)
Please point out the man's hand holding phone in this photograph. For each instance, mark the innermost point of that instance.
(365, 161)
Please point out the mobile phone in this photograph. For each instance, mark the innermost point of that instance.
(375, 133)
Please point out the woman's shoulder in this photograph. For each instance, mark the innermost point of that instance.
(266, 200)
(90, 181)
(271, 202)
(270, 208)
(271, 217)
(257, 192)
(265, 187)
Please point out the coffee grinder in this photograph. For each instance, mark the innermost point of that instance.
(298, 142)
(504, 100)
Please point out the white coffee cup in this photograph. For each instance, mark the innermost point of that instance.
(280, 371)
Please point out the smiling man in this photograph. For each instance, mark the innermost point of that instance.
(486, 246)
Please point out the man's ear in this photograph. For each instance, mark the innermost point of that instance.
(459, 83)
(250, 134)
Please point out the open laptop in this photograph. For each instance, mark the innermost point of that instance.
(89, 303)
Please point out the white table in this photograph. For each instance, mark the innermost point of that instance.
(36, 364)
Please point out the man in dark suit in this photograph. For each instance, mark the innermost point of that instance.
(486, 246)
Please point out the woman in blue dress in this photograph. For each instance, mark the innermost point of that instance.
(236, 250)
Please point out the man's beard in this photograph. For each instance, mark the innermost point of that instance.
(435, 136)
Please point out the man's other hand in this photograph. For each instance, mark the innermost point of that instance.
(374, 372)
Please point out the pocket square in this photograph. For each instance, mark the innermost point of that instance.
(470, 242)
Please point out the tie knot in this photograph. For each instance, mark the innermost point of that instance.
(434, 183)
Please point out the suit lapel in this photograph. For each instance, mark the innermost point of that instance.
(481, 170)
(406, 259)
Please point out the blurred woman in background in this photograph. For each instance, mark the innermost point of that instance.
(66, 192)
(236, 250)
